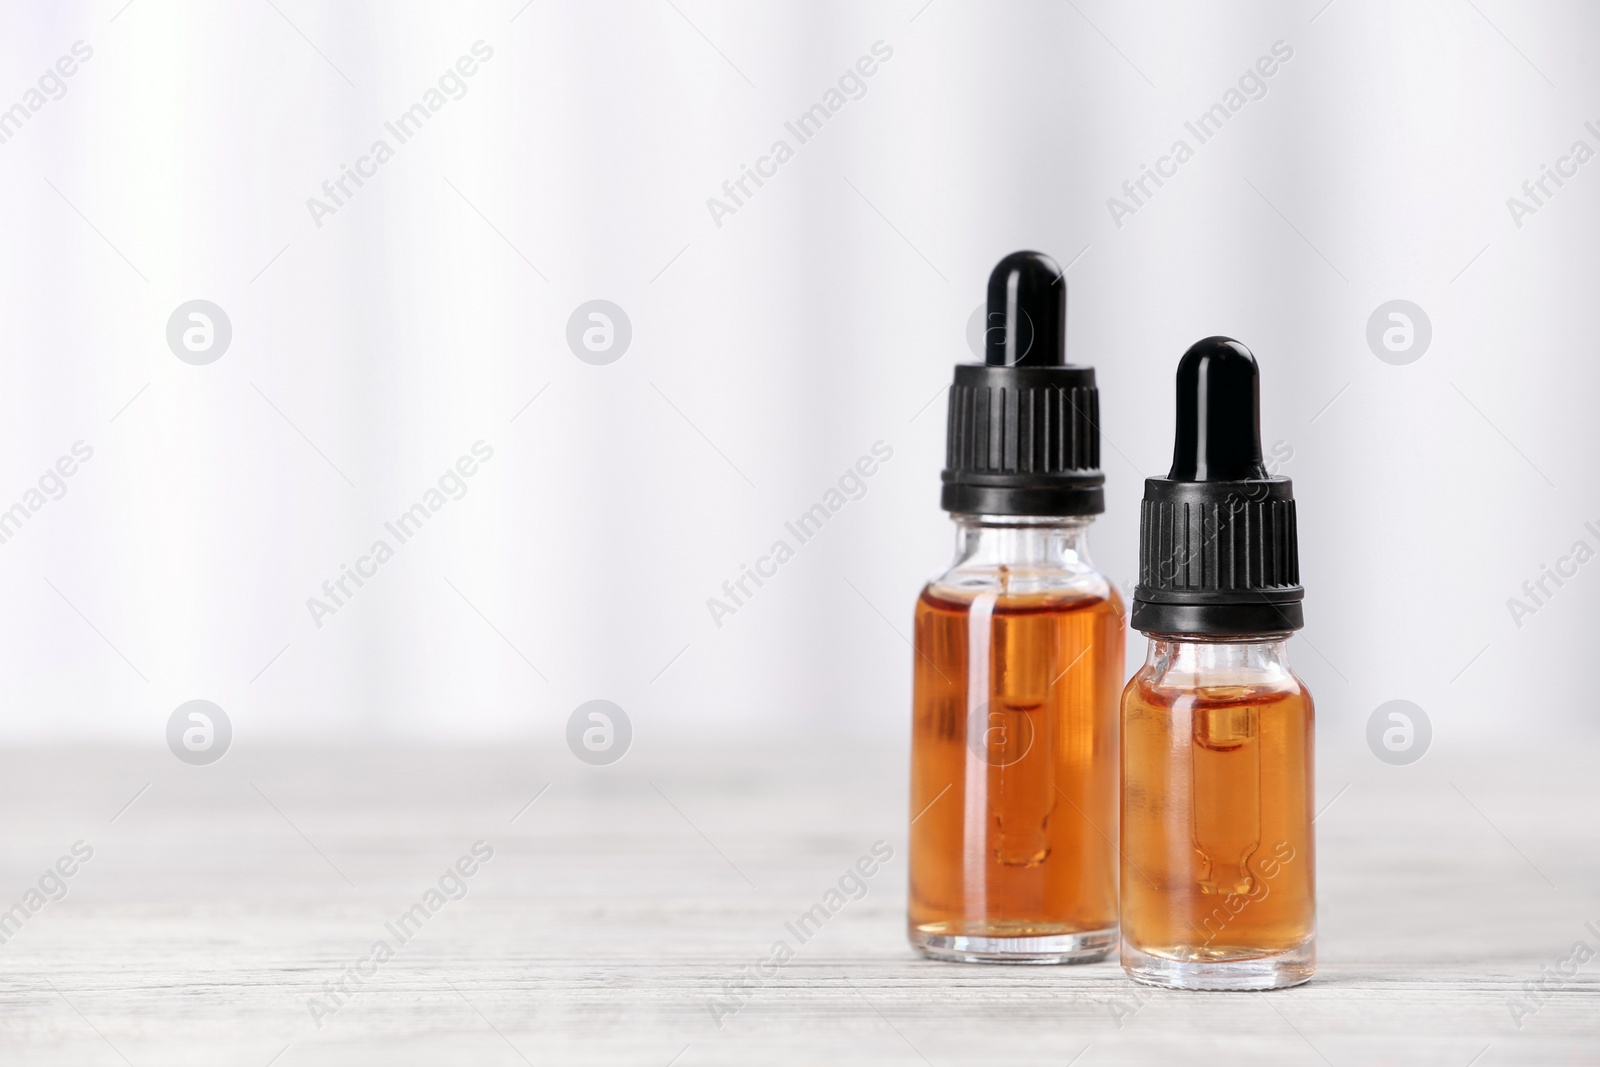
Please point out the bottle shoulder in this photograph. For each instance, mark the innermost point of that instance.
(1164, 683)
(1236, 675)
(1024, 584)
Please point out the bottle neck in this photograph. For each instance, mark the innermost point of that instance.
(1019, 540)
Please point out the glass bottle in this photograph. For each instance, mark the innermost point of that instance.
(1218, 872)
(1019, 662)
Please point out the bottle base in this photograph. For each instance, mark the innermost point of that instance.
(1084, 946)
(1189, 968)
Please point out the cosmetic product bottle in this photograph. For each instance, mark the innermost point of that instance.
(1218, 878)
(1019, 658)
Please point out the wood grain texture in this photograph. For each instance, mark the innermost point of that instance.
(618, 910)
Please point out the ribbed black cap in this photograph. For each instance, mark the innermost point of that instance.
(1023, 436)
(1218, 552)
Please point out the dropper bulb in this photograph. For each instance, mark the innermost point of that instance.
(1027, 314)
(1219, 414)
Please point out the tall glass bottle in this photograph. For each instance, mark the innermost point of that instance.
(1019, 658)
(1218, 872)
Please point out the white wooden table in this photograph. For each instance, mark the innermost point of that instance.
(618, 908)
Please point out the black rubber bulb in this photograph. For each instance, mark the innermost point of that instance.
(1027, 317)
(1219, 414)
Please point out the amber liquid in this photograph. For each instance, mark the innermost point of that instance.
(1216, 821)
(1014, 765)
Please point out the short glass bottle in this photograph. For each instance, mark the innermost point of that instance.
(1218, 870)
(1019, 660)
(1218, 876)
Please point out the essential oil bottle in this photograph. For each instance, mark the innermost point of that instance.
(1019, 658)
(1218, 876)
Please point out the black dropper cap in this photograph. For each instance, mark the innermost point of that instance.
(1218, 553)
(1023, 432)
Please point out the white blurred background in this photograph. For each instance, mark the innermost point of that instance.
(771, 347)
